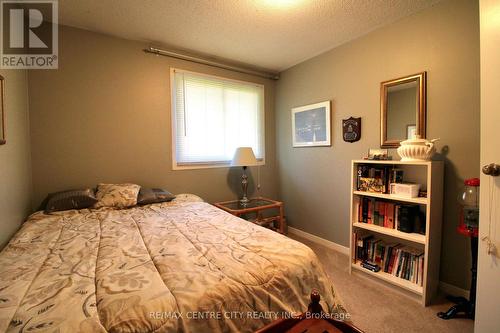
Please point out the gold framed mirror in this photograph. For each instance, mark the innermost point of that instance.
(402, 109)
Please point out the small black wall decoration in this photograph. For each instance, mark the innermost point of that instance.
(351, 129)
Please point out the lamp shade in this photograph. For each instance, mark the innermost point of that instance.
(244, 156)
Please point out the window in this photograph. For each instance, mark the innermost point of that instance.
(213, 116)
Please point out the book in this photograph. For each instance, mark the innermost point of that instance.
(362, 244)
(359, 209)
(379, 253)
(399, 260)
(371, 204)
(398, 263)
(406, 266)
(396, 217)
(381, 213)
(363, 172)
(355, 246)
(364, 209)
(392, 259)
(387, 256)
(421, 270)
(373, 179)
(407, 215)
(374, 246)
(389, 215)
(376, 213)
(359, 248)
(387, 178)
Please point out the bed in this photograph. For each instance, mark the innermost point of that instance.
(179, 266)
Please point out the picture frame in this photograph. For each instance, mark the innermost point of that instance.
(411, 131)
(311, 125)
(2, 110)
(378, 154)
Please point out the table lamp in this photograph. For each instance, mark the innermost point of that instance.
(244, 157)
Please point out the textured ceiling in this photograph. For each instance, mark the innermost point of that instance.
(271, 34)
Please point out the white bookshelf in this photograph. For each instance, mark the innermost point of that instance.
(430, 176)
(412, 237)
(421, 201)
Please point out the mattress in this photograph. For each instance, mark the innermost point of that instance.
(170, 267)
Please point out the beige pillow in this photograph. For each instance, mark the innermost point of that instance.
(117, 195)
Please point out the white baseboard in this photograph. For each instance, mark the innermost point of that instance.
(319, 240)
(450, 289)
(447, 288)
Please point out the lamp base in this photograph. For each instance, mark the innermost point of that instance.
(244, 185)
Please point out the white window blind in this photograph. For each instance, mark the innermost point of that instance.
(213, 116)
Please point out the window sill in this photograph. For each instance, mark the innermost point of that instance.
(195, 166)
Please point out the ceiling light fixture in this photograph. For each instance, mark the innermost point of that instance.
(281, 3)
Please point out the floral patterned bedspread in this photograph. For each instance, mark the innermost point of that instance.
(170, 267)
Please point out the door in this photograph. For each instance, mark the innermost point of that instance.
(488, 287)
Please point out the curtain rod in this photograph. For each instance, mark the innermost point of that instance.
(212, 63)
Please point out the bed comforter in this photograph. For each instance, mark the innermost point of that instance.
(170, 267)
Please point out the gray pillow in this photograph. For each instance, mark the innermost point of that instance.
(153, 195)
(72, 199)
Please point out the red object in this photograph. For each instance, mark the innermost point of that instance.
(462, 229)
(472, 182)
(469, 208)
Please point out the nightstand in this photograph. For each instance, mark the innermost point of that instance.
(253, 212)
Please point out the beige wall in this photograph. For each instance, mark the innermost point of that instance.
(104, 116)
(15, 165)
(314, 182)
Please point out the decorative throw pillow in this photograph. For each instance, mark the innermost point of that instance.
(187, 197)
(72, 199)
(154, 195)
(117, 195)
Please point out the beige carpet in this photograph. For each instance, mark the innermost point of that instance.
(377, 308)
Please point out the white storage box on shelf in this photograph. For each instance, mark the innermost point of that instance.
(405, 190)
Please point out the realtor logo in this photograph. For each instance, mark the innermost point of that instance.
(29, 34)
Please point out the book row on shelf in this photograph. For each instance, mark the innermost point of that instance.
(396, 259)
(377, 178)
(386, 180)
(392, 215)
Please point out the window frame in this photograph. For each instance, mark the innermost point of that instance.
(208, 165)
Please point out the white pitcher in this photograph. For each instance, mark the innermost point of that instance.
(417, 149)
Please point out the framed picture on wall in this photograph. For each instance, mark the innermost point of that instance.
(311, 125)
(2, 111)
